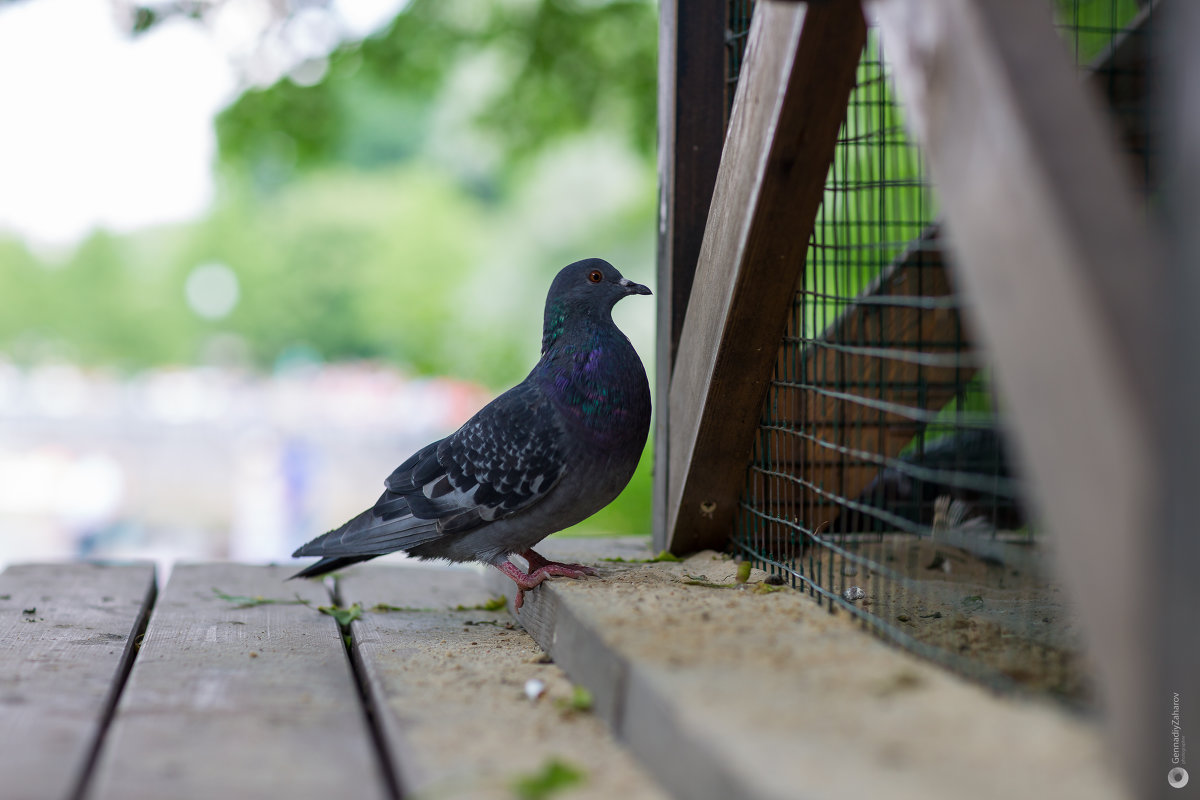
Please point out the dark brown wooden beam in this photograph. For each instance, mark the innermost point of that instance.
(1050, 242)
(867, 347)
(1122, 75)
(791, 98)
(691, 127)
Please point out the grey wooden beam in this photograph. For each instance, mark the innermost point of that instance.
(67, 638)
(1066, 278)
(791, 97)
(1176, 653)
(691, 127)
(728, 693)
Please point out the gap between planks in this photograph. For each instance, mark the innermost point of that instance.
(247, 702)
(68, 637)
(445, 675)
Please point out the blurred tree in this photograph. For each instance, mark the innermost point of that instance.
(548, 69)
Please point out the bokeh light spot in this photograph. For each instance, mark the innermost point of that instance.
(211, 290)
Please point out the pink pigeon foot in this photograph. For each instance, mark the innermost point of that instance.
(539, 564)
(539, 570)
(522, 580)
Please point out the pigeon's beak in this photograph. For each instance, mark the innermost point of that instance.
(634, 288)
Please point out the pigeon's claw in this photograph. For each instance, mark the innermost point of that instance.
(539, 570)
(537, 564)
(522, 580)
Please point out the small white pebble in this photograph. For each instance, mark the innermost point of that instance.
(534, 689)
(854, 593)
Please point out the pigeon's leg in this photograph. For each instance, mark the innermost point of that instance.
(539, 570)
(537, 564)
(522, 580)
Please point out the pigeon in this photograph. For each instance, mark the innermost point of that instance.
(546, 454)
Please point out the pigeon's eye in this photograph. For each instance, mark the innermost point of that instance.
(595, 276)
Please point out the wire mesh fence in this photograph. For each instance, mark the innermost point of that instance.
(738, 14)
(882, 480)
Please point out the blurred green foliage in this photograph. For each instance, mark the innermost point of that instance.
(521, 74)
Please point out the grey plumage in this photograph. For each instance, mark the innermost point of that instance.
(546, 454)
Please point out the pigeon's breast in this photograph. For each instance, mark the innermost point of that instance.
(601, 391)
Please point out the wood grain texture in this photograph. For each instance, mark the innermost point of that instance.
(1066, 276)
(447, 689)
(228, 702)
(790, 102)
(67, 636)
(691, 128)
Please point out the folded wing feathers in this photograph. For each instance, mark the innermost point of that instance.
(502, 460)
(370, 534)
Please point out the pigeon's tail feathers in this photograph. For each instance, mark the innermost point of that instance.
(371, 534)
(327, 565)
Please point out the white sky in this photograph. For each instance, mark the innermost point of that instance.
(101, 130)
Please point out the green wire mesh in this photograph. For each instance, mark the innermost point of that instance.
(738, 14)
(882, 480)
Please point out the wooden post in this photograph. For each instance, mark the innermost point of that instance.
(1065, 275)
(790, 102)
(691, 126)
(1176, 592)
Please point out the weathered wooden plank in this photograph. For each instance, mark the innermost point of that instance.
(1066, 277)
(255, 702)
(691, 127)
(1176, 653)
(67, 638)
(448, 690)
(725, 693)
(790, 101)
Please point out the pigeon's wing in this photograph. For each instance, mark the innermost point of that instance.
(503, 460)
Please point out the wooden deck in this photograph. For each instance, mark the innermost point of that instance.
(228, 682)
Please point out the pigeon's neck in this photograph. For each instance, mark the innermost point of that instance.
(563, 323)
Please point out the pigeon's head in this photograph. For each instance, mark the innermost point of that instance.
(591, 283)
(584, 293)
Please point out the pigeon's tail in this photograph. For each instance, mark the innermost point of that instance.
(366, 536)
(327, 565)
